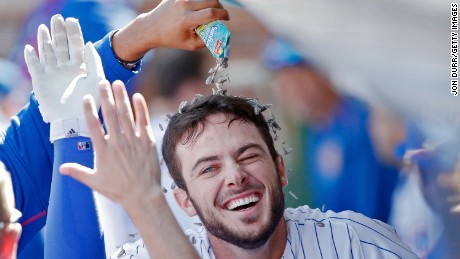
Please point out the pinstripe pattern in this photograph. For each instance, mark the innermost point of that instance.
(312, 233)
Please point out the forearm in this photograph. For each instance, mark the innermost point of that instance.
(156, 222)
(130, 43)
(72, 225)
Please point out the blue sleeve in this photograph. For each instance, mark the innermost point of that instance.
(72, 229)
(112, 68)
(27, 153)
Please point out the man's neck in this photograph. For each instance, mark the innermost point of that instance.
(273, 248)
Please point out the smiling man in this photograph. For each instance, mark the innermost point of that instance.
(233, 184)
(222, 157)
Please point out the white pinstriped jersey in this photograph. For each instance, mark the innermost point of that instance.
(312, 233)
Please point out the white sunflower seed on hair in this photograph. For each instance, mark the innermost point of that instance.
(221, 91)
(265, 107)
(181, 106)
(196, 98)
(253, 101)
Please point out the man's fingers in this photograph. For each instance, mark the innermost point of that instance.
(32, 61)
(92, 78)
(45, 48)
(142, 117)
(205, 16)
(80, 173)
(109, 110)
(94, 125)
(196, 5)
(93, 62)
(75, 40)
(125, 113)
(59, 39)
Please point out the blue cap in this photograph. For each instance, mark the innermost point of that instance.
(278, 54)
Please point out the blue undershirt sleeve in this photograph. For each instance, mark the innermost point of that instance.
(72, 223)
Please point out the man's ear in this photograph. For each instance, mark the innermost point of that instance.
(183, 199)
(281, 171)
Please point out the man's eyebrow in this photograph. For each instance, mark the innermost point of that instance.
(204, 159)
(242, 149)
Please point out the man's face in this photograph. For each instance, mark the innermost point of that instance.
(233, 183)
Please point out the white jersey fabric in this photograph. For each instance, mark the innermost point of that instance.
(312, 233)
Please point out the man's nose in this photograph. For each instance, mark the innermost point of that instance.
(235, 175)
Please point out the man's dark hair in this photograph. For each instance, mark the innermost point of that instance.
(188, 124)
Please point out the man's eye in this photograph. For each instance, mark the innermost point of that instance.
(208, 170)
(248, 159)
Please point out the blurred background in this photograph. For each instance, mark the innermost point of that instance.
(360, 89)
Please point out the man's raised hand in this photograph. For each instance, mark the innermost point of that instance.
(63, 72)
(127, 166)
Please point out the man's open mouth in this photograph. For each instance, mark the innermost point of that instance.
(243, 203)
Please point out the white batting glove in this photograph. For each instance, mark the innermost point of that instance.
(65, 72)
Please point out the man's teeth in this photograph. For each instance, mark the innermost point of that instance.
(243, 201)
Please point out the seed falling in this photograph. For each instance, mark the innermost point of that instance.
(287, 151)
(165, 118)
(209, 80)
(132, 235)
(293, 195)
